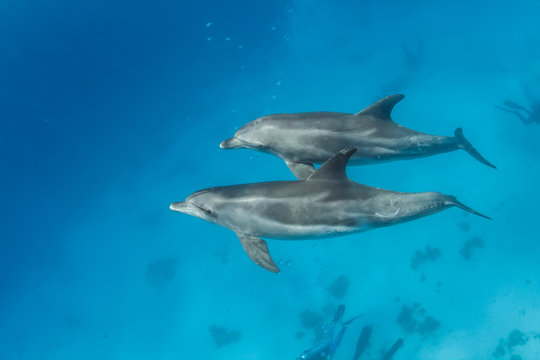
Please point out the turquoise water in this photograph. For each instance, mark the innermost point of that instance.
(111, 111)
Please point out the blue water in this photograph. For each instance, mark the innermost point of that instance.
(112, 110)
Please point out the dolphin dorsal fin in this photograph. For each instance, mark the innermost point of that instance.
(382, 109)
(335, 167)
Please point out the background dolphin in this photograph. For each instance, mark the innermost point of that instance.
(324, 205)
(302, 139)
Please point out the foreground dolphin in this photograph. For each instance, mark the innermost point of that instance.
(324, 205)
(303, 139)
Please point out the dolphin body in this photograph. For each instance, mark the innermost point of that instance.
(324, 205)
(303, 139)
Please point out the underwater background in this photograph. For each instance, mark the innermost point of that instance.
(111, 110)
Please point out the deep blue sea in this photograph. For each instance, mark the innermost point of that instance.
(111, 110)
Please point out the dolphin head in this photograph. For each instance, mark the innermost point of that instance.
(201, 204)
(249, 136)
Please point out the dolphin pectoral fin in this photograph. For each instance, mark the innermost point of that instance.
(382, 109)
(301, 170)
(257, 250)
(467, 146)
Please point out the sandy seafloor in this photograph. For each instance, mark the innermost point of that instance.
(112, 110)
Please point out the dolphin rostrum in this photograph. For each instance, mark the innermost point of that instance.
(303, 139)
(324, 205)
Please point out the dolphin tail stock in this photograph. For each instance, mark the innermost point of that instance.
(467, 146)
(452, 200)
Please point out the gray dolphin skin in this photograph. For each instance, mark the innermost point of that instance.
(324, 205)
(304, 139)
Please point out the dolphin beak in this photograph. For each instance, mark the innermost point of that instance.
(188, 208)
(180, 206)
(232, 143)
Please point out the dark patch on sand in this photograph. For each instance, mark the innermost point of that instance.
(470, 246)
(464, 225)
(338, 289)
(421, 257)
(508, 345)
(310, 319)
(160, 272)
(413, 319)
(223, 336)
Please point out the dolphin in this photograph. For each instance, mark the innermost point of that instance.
(324, 205)
(302, 139)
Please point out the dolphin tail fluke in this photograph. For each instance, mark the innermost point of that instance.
(467, 146)
(453, 201)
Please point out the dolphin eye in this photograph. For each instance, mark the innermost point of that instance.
(209, 212)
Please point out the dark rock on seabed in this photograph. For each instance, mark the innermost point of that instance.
(223, 336)
(420, 257)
